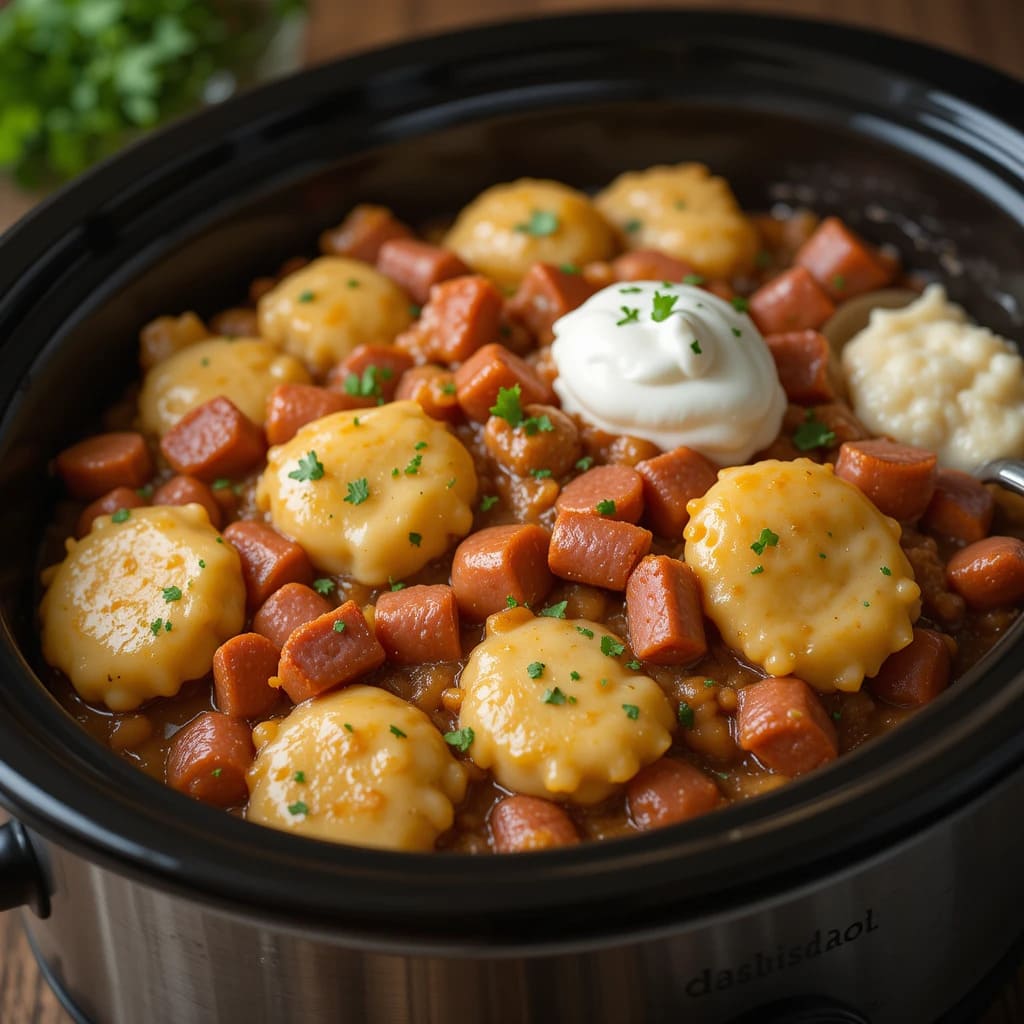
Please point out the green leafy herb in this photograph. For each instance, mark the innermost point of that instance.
(120, 516)
(415, 538)
(395, 731)
(217, 772)
(355, 421)
(631, 290)
(554, 696)
(511, 602)
(202, 563)
(555, 611)
(685, 715)
(612, 647)
(633, 225)
(540, 474)
(323, 585)
(395, 585)
(358, 491)
(574, 676)
(451, 483)
(885, 570)
(630, 315)
(310, 468)
(172, 593)
(821, 554)
(299, 777)
(307, 296)
(168, 626)
(448, 387)
(709, 683)
(605, 507)
(740, 304)
(757, 570)
(507, 405)
(146, 491)
(339, 626)
(221, 483)
(368, 384)
(737, 333)
(583, 631)
(535, 424)
(155, 626)
(460, 739)
(541, 224)
(766, 540)
(348, 726)
(568, 268)
(695, 346)
(812, 433)
(414, 310)
(634, 665)
(298, 808)
(662, 306)
(488, 501)
(353, 282)
(535, 669)
(694, 279)
(414, 465)
(632, 711)
(585, 463)
(867, 604)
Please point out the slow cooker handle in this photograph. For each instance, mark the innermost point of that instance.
(21, 877)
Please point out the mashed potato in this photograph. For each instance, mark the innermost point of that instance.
(357, 766)
(685, 212)
(555, 712)
(926, 376)
(138, 607)
(245, 370)
(801, 573)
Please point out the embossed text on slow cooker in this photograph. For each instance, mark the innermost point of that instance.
(762, 964)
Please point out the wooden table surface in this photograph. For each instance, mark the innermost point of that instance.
(987, 30)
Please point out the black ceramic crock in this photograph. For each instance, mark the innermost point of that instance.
(882, 889)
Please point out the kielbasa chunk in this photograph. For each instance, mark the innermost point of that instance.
(208, 759)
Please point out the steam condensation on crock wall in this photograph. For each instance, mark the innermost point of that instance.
(673, 364)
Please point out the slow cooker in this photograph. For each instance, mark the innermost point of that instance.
(883, 889)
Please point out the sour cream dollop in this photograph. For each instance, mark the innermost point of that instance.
(672, 364)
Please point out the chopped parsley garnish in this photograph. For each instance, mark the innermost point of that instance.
(583, 631)
(420, 445)
(448, 387)
(838, 282)
(217, 772)
(685, 715)
(348, 726)
(630, 315)
(323, 585)
(511, 602)
(155, 626)
(568, 268)
(355, 421)
(415, 538)
(204, 361)
(740, 304)
(540, 474)
(339, 626)
(120, 516)
(395, 731)
(631, 290)
(541, 224)
(812, 433)
(695, 346)
(310, 468)
(612, 647)
(885, 570)
(574, 676)
(632, 711)
(358, 491)
(535, 669)
(367, 385)
(757, 570)
(693, 279)
(299, 776)
(633, 666)
(662, 307)
(395, 585)
(542, 423)
(353, 282)
(414, 465)
(555, 611)
(172, 593)
(307, 296)
(605, 507)
(507, 405)
(867, 604)
(414, 310)
(298, 808)
(709, 683)
(146, 491)
(585, 463)
(737, 333)
(451, 483)
(766, 540)
(460, 739)
(488, 501)
(554, 696)
(221, 483)
(633, 225)
(168, 626)
(821, 554)
(202, 563)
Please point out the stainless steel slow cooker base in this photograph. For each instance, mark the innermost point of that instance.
(898, 938)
